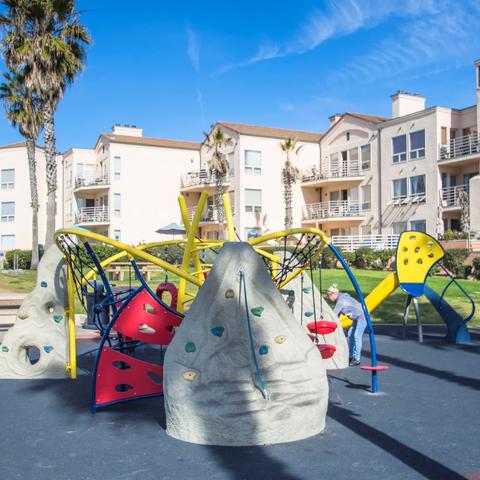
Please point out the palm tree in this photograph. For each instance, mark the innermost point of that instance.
(22, 108)
(46, 39)
(290, 175)
(218, 165)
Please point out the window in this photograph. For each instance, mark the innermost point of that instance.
(7, 179)
(417, 145)
(443, 135)
(253, 162)
(366, 191)
(253, 200)
(353, 157)
(399, 189)
(366, 157)
(417, 185)
(398, 227)
(7, 242)
(348, 136)
(399, 148)
(116, 204)
(418, 225)
(334, 164)
(116, 167)
(231, 164)
(79, 169)
(8, 212)
(117, 235)
(252, 232)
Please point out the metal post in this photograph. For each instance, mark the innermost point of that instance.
(419, 322)
(405, 316)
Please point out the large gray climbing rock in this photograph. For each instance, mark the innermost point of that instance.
(40, 327)
(306, 296)
(213, 392)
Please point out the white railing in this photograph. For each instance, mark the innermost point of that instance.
(451, 196)
(314, 172)
(91, 181)
(209, 214)
(92, 215)
(201, 177)
(459, 147)
(350, 243)
(333, 209)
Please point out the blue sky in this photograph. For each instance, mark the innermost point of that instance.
(174, 68)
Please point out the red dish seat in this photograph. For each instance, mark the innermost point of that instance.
(322, 327)
(326, 350)
(375, 369)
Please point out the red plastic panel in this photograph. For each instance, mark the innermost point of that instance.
(323, 327)
(171, 289)
(326, 351)
(145, 320)
(122, 377)
(377, 368)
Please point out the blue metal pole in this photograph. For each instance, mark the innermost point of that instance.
(359, 293)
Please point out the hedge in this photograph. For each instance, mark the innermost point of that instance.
(476, 268)
(454, 259)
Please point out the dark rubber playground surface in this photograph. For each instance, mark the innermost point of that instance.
(425, 423)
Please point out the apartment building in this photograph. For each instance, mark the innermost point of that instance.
(15, 208)
(127, 186)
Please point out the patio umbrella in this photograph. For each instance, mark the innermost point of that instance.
(172, 229)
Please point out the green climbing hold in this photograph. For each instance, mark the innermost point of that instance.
(43, 284)
(47, 348)
(5, 349)
(58, 318)
(217, 331)
(190, 347)
(263, 350)
(307, 290)
(308, 314)
(257, 311)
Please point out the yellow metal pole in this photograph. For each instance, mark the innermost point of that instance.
(71, 365)
(227, 207)
(182, 284)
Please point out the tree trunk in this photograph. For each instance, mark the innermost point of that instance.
(32, 169)
(287, 196)
(219, 180)
(51, 172)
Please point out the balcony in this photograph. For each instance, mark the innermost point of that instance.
(314, 176)
(92, 215)
(333, 210)
(91, 182)
(350, 243)
(451, 197)
(209, 214)
(460, 149)
(201, 181)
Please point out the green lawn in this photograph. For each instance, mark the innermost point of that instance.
(391, 311)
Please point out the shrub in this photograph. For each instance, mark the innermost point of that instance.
(24, 258)
(454, 260)
(329, 260)
(364, 257)
(453, 235)
(476, 268)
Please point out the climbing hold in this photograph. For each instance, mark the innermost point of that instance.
(280, 339)
(189, 376)
(43, 284)
(263, 350)
(5, 349)
(47, 348)
(190, 347)
(307, 290)
(257, 311)
(229, 293)
(218, 331)
(58, 318)
(308, 314)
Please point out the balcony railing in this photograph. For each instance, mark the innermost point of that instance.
(91, 181)
(314, 172)
(201, 178)
(350, 243)
(460, 147)
(451, 196)
(209, 214)
(333, 209)
(92, 215)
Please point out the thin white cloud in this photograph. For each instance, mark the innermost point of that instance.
(193, 50)
(202, 107)
(265, 52)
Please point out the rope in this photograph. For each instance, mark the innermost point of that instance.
(261, 383)
(301, 299)
(313, 299)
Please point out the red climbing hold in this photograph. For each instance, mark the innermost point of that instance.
(326, 350)
(122, 377)
(322, 327)
(171, 289)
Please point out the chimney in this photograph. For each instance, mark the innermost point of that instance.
(405, 103)
(127, 130)
(335, 118)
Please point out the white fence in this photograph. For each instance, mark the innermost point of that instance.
(459, 147)
(350, 243)
(333, 209)
(92, 215)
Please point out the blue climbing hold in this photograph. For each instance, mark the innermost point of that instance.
(218, 331)
(308, 314)
(47, 348)
(263, 350)
(43, 284)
